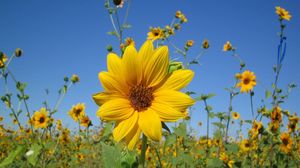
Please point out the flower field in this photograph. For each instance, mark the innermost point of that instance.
(145, 106)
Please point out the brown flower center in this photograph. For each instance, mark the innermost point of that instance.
(140, 97)
(246, 81)
(285, 141)
(78, 111)
(42, 120)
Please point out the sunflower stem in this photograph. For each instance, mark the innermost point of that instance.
(143, 152)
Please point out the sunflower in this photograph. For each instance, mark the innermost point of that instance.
(282, 13)
(235, 115)
(189, 43)
(287, 142)
(293, 121)
(205, 44)
(3, 59)
(276, 115)
(40, 118)
(155, 33)
(247, 81)
(256, 128)
(129, 41)
(85, 121)
(245, 145)
(227, 46)
(139, 93)
(77, 111)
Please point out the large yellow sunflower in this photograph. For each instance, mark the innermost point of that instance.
(247, 81)
(139, 93)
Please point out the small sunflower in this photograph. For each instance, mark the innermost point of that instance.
(189, 43)
(293, 122)
(235, 115)
(155, 33)
(276, 115)
(77, 111)
(205, 44)
(40, 118)
(282, 13)
(256, 128)
(247, 81)
(3, 59)
(245, 145)
(287, 143)
(139, 93)
(227, 46)
(129, 41)
(85, 121)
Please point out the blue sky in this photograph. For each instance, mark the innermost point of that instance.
(61, 38)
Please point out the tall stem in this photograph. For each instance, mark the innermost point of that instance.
(143, 152)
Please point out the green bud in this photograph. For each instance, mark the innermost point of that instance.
(109, 48)
(18, 52)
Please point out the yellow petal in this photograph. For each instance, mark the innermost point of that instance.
(156, 69)
(116, 109)
(110, 83)
(178, 80)
(150, 124)
(114, 64)
(175, 99)
(146, 51)
(132, 65)
(124, 127)
(133, 137)
(165, 112)
(102, 97)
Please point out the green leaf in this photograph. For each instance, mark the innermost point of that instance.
(108, 129)
(126, 26)
(218, 124)
(111, 155)
(211, 115)
(181, 130)
(32, 159)
(170, 140)
(232, 148)
(267, 94)
(11, 157)
(214, 163)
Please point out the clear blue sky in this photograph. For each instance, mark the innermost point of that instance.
(69, 37)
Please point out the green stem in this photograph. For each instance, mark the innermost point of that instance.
(157, 154)
(207, 128)
(251, 102)
(143, 152)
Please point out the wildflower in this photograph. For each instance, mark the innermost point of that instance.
(235, 115)
(18, 52)
(227, 46)
(58, 124)
(119, 3)
(75, 79)
(64, 138)
(226, 160)
(129, 41)
(80, 156)
(245, 145)
(85, 121)
(205, 44)
(3, 59)
(189, 43)
(256, 128)
(176, 26)
(77, 111)
(276, 114)
(40, 118)
(247, 81)
(287, 143)
(282, 13)
(178, 14)
(140, 99)
(169, 30)
(1, 118)
(293, 121)
(155, 33)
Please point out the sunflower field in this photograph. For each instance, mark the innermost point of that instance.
(145, 104)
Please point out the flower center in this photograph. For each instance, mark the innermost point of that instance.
(285, 141)
(140, 97)
(246, 81)
(42, 120)
(77, 111)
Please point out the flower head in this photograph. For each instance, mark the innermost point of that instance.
(227, 46)
(139, 93)
(77, 111)
(3, 59)
(247, 81)
(287, 142)
(256, 128)
(245, 145)
(129, 41)
(205, 44)
(155, 33)
(85, 121)
(75, 78)
(235, 115)
(189, 43)
(40, 118)
(282, 13)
